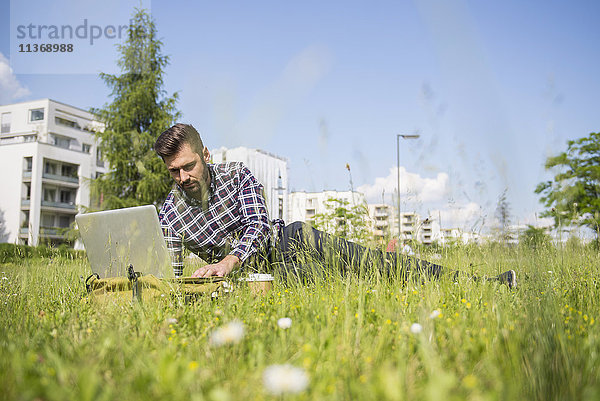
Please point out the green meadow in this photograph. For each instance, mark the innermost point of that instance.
(354, 338)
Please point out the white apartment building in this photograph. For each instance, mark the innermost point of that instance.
(455, 235)
(383, 219)
(47, 151)
(270, 170)
(305, 205)
(414, 228)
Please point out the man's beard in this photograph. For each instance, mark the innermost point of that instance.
(201, 188)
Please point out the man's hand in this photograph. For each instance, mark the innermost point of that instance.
(220, 269)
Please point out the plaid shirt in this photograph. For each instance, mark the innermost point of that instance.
(234, 222)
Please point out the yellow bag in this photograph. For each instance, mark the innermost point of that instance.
(121, 290)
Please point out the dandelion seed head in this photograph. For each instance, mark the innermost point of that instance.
(284, 323)
(416, 328)
(434, 314)
(280, 379)
(230, 333)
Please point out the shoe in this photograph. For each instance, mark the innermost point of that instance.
(509, 278)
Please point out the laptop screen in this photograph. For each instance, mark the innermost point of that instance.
(114, 239)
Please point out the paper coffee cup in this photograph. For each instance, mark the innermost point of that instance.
(259, 283)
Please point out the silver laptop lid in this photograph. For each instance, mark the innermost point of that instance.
(114, 239)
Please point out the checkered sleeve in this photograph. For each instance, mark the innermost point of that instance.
(254, 216)
(174, 244)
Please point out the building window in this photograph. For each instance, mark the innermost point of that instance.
(5, 123)
(280, 207)
(66, 196)
(36, 115)
(47, 220)
(86, 148)
(64, 221)
(62, 141)
(28, 163)
(99, 161)
(68, 170)
(49, 194)
(50, 168)
(25, 218)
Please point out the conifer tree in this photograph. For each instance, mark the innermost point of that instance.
(138, 113)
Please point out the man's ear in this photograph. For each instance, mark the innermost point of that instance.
(206, 154)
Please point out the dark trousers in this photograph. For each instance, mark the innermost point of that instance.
(302, 250)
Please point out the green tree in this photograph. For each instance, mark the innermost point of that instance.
(573, 195)
(344, 220)
(534, 237)
(138, 113)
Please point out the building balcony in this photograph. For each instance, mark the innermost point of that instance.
(51, 232)
(24, 231)
(61, 178)
(25, 203)
(59, 206)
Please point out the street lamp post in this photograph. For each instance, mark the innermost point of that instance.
(398, 136)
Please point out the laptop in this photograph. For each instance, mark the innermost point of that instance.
(115, 239)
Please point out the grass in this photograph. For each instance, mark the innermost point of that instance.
(351, 336)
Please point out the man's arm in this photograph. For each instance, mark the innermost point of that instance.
(174, 243)
(255, 227)
(254, 217)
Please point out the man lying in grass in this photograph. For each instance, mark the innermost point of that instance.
(218, 212)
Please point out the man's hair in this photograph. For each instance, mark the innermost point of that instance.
(171, 141)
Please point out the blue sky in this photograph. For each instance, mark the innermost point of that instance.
(492, 88)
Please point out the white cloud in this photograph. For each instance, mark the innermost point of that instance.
(413, 186)
(535, 220)
(467, 217)
(10, 88)
(430, 197)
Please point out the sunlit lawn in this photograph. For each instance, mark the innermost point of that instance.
(353, 338)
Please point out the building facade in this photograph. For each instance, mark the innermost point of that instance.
(47, 152)
(305, 205)
(450, 236)
(270, 170)
(414, 228)
(382, 216)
